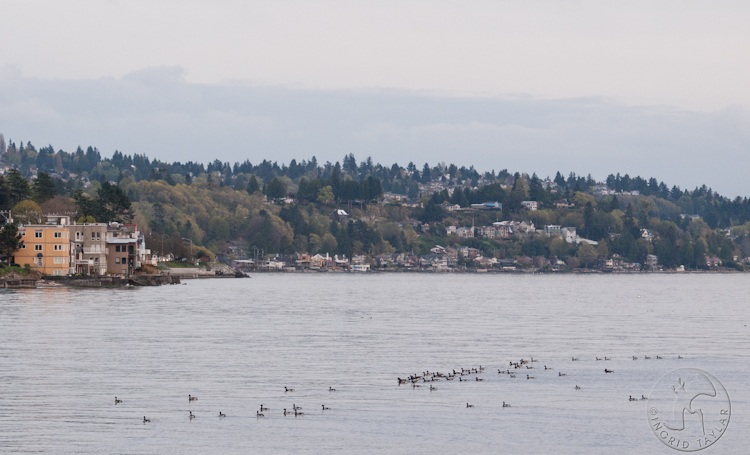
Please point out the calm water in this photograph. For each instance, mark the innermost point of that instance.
(65, 354)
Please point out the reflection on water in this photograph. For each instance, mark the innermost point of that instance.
(65, 354)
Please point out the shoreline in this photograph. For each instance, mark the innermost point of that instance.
(167, 279)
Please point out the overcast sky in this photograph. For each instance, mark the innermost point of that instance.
(651, 88)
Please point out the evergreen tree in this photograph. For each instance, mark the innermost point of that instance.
(10, 241)
(5, 200)
(44, 188)
(112, 204)
(614, 204)
(426, 174)
(459, 197)
(252, 185)
(275, 189)
(18, 187)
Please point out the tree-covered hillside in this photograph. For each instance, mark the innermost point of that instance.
(287, 208)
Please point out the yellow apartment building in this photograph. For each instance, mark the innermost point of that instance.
(46, 247)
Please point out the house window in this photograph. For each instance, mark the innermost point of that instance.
(78, 236)
(38, 262)
(117, 260)
(96, 260)
(23, 233)
(23, 247)
(58, 235)
(59, 248)
(117, 248)
(58, 272)
(58, 260)
(38, 234)
(37, 247)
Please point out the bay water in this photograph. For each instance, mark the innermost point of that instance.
(237, 343)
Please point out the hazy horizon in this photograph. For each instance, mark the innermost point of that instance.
(638, 88)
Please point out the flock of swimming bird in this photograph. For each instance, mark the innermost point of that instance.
(416, 380)
(296, 410)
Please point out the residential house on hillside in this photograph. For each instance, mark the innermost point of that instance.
(530, 205)
(450, 207)
(393, 197)
(465, 232)
(437, 249)
(569, 234)
(413, 223)
(487, 232)
(552, 229)
(562, 204)
(339, 215)
(494, 205)
(602, 190)
(503, 229)
(469, 253)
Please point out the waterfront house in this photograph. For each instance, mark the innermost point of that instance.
(359, 259)
(340, 261)
(89, 247)
(126, 249)
(712, 262)
(46, 247)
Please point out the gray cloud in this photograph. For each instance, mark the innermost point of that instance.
(156, 112)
